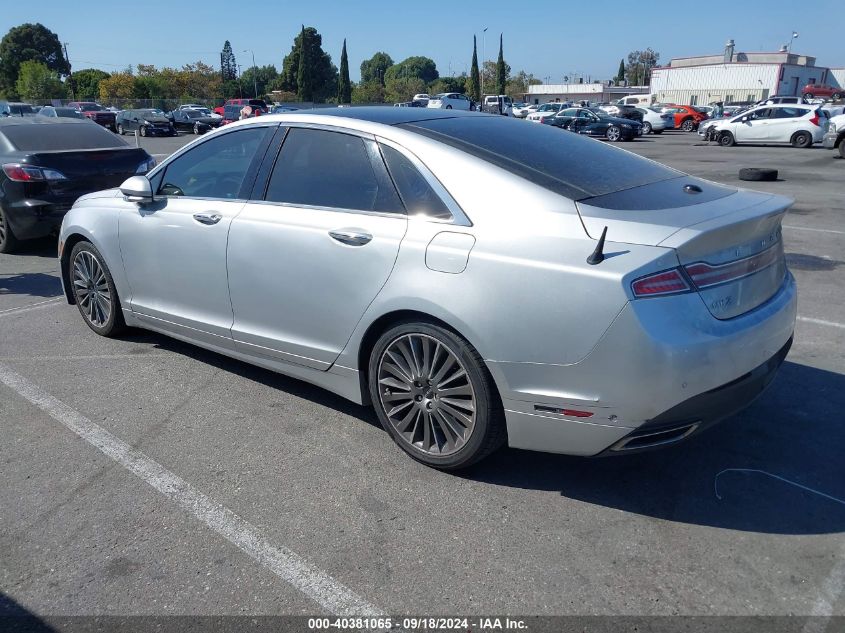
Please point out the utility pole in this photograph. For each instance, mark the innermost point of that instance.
(254, 71)
(71, 87)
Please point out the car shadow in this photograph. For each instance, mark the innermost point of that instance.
(42, 247)
(795, 431)
(31, 284)
(14, 617)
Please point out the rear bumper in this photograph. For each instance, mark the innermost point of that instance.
(31, 219)
(657, 364)
(829, 140)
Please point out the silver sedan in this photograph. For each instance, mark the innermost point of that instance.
(477, 281)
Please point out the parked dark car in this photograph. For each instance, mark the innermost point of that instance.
(148, 122)
(629, 112)
(94, 111)
(280, 109)
(63, 113)
(16, 109)
(595, 122)
(193, 121)
(259, 106)
(47, 163)
(563, 118)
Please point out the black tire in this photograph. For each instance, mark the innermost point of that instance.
(647, 129)
(613, 134)
(726, 139)
(143, 130)
(197, 129)
(835, 96)
(8, 242)
(842, 148)
(120, 129)
(114, 324)
(448, 107)
(488, 432)
(688, 125)
(809, 95)
(657, 131)
(759, 174)
(802, 140)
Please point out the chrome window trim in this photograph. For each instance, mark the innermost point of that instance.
(313, 207)
(459, 218)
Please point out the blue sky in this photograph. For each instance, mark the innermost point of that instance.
(548, 39)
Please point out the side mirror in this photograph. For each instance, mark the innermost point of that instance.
(745, 119)
(137, 189)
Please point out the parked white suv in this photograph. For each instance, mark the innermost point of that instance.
(799, 125)
(449, 101)
(545, 110)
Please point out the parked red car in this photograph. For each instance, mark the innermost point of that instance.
(259, 106)
(687, 118)
(822, 90)
(95, 112)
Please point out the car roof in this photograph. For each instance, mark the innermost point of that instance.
(390, 116)
(5, 122)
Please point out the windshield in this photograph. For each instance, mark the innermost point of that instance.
(150, 113)
(193, 114)
(571, 165)
(60, 136)
(91, 107)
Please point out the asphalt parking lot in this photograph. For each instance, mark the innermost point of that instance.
(745, 519)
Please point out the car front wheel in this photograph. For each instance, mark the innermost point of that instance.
(613, 133)
(646, 127)
(94, 290)
(726, 139)
(143, 130)
(434, 395)
(120, 129)
(196, 129)
(688, 125)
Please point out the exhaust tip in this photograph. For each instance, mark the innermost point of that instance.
(656, 438)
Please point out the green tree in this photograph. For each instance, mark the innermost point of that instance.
(519, 82)
(118, 86)
(228, 64)
(449, 84)
(501, 71)
(303, 71)
(640, 63)
(490, 71)
(344, 88)
(36, 82)
(28, 42)
(473, 87)
(373, 69)
(265, 77)
(368, 92)
(321, 75)
(422, 68)
(87, 83)
(620, 74)
(401, 89)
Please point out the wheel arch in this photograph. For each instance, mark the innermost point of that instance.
(64, 262)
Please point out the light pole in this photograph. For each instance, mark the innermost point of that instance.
(254, 75)
(791, 39)
(240, 85)
(483, 57)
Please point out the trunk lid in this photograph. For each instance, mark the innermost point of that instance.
(89, 170)
(728, 241)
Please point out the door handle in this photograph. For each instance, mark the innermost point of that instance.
(207, 218)
(352, 237)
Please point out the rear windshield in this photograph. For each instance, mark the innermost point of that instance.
(60, 136)
(569, 164)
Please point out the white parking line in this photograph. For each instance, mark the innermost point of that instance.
(31, 306)
(287, 565)
(807, 228)
(821, 322)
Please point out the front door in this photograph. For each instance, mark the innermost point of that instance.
(756, 127)
(306, 261)
(174, 249)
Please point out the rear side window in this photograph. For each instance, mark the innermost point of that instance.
(216, 168)
(330, 169)
(417, 195)
(46, 137)
(571, 165)
(789, 113)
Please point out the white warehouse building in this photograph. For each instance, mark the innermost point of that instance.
(737, 77)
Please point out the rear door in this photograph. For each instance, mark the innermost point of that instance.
(308, 256)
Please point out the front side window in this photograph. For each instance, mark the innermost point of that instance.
(216, 168)
(417, 195)
(764, 113)
(330, 169)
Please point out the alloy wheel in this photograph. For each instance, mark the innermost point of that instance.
(646, 127)
(91, 289)
(613, 133)
(426, 394)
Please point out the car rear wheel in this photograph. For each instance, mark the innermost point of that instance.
(94, 291)
(836, 95)
(434, 395)
(120, 129)
(647, 127)
(8, 241)
(802, 140)
(613, 133)
(726, 139)
(688, 125)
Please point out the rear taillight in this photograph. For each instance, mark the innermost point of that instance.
(25, 173)
(815, 119)
(705, 275)
(668, 282)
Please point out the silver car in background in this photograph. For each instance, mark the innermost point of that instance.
(475, 280)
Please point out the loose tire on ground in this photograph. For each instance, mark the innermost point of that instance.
(412, 368)
(758, 174)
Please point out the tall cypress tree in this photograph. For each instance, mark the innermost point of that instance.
(303, 72)
(620, 74)
(473, 85)
(501, 73)
(344, 87)
(228, 65)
